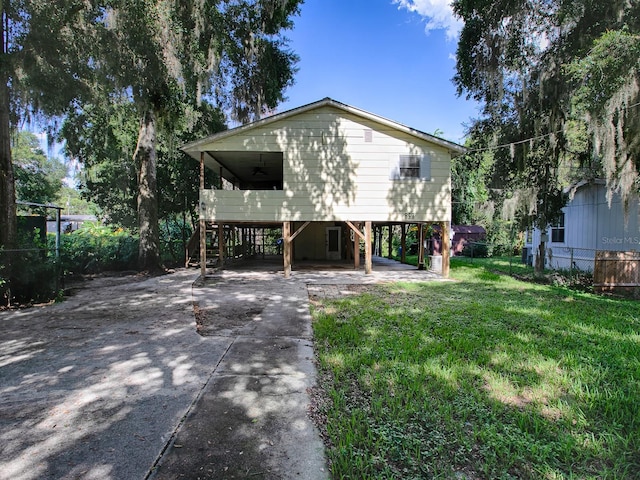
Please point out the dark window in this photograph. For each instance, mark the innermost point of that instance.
(409, 166)
(557, 231)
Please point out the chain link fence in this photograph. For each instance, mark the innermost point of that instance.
(569, 261)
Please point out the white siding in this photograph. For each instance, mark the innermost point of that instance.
(590, 225)
(331, 173)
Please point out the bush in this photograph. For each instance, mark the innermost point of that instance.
(33, 277)
(95, 248)
(34, 280)
(36, 273)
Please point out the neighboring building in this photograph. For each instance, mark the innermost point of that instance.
(588, 224)
(460, 236)
(70, 223)
(321, 172)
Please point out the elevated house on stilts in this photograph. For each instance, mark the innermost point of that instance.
(330, 176)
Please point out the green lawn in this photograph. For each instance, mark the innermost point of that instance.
(484, 377)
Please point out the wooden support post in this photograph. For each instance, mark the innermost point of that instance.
(286, 240)
(203, 224)
(446, 247)
(379, 236)
(374, 240)
(201, 170)
(233, 241)
(245, 243)
(220, 244)
(390, 255)
(403, 243)
(203, 247)
(356, 249)
(254, 235)
(367, 248)
(357, 236)
(420, 246)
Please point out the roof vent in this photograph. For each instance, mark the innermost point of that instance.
(368, 135)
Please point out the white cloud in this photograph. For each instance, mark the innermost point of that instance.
(437, 13)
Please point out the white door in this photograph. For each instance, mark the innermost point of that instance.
(332, 241)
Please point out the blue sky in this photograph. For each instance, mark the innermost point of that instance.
(391, 58)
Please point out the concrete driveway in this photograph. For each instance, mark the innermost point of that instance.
(164, 378)
(95, 386)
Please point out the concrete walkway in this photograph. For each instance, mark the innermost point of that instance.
(251, 420)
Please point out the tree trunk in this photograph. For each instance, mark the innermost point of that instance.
(148, 251)
(539, 266)
(8, 226)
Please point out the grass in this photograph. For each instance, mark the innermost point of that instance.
(485, 377)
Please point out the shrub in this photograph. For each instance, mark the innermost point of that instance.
(36, 273)
(33, 276)
(95, 248)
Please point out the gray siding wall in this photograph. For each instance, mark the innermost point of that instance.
(590, 225)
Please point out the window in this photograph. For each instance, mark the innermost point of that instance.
(411, 166)
(529, 236)
(557, 231)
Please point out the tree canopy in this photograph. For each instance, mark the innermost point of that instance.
(162, 68)
(167, 57)
(38, 177)
(45, 49)
(559, 85)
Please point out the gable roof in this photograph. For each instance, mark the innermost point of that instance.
(454, 148)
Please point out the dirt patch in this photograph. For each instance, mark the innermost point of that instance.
(331, 291)
(212, 321)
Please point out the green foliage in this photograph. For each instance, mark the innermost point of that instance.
(174, 235)
(551, 75)
(38, 178)
(35, 276)
(102, 137)
(45, 67)
(72, 202)
(502, 239)
(607, 92)
(486, 377)
(601, 73)
(95, 248)
(470, 175)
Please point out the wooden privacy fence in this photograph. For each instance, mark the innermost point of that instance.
(617, 272)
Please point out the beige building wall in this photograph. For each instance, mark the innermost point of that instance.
(311, 243)
(336, 167)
